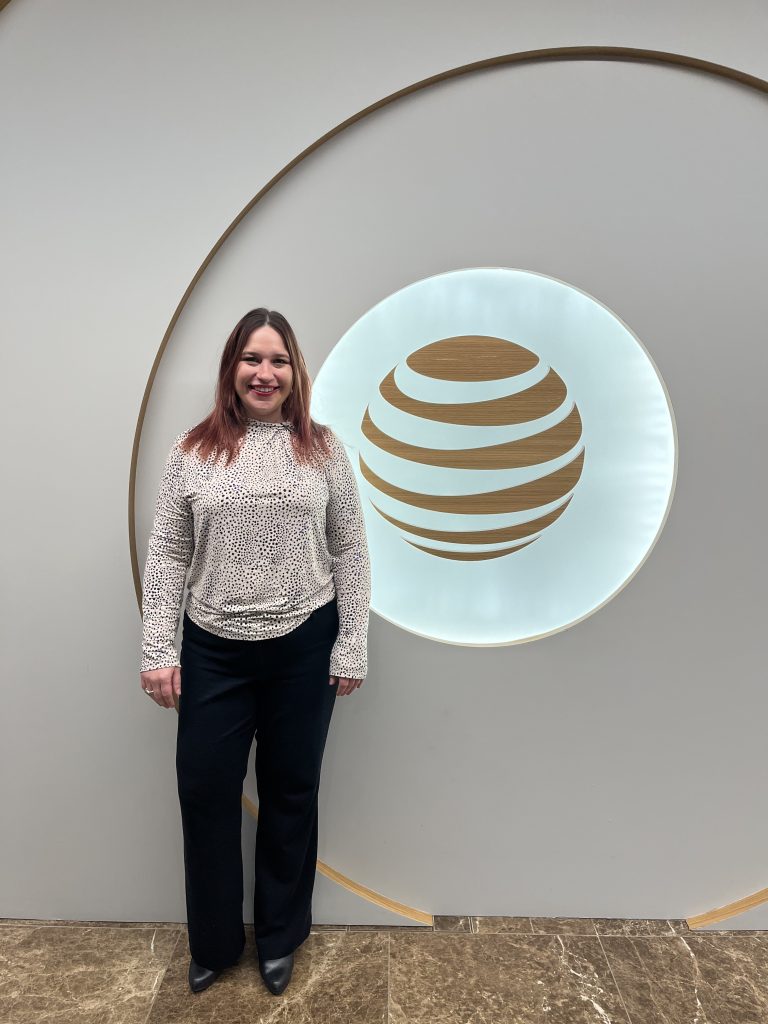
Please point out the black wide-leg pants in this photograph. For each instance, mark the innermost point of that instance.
(231, 690)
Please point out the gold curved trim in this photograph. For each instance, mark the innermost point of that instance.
(729, 910)
(359, 890)
(626, 54)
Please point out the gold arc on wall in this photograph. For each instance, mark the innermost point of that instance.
(360, 890)
(622, 54)
(729, 910)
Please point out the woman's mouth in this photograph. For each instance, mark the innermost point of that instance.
(261, 391)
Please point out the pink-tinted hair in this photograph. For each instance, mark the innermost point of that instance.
(223, 429)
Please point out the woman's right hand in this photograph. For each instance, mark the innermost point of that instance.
(164, 682)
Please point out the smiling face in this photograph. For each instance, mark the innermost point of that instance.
(264, 375)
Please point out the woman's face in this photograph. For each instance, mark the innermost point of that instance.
(264, 375)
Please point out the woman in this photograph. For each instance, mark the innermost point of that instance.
(260, 504)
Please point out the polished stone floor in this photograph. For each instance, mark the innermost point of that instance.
(465, 970)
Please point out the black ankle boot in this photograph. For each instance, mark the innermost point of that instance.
(277, 973)
(200, 977)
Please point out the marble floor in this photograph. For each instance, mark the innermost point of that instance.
(464, 970)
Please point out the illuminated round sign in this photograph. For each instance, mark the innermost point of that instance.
(514, 447)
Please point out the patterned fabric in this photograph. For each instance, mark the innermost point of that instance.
(265, 540)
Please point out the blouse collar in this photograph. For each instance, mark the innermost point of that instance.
(255, 424)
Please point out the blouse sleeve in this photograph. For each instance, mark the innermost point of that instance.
(348, 547)
(171, 545)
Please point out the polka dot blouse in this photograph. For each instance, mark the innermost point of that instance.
(265, 540)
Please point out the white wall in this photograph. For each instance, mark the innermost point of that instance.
(132, 136)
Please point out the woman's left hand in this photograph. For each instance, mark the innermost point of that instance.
(345, 685)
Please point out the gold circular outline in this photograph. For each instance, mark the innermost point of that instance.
(625, 54)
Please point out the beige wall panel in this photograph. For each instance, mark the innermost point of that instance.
(578, 775)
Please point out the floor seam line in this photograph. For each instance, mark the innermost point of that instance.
(389, 948)
(165, 969)
(615, 982)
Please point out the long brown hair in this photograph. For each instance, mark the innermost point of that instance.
(223, 429)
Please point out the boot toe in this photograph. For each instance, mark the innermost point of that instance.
(200, 977)
(277, 973)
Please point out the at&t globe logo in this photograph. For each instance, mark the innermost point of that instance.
(468, 360)
(515, 452)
